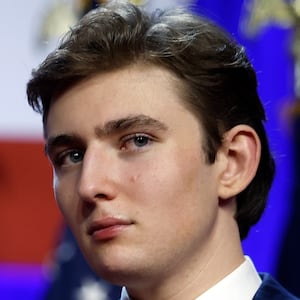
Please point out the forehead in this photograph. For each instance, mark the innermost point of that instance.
(138, 89)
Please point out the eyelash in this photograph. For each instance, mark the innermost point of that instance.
(127, 145)
(59, 160)
(132, 138)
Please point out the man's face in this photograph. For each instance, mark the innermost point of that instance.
(130, 175)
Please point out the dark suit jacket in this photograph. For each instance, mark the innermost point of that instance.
(270, 289)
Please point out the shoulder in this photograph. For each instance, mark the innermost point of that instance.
(270, 289)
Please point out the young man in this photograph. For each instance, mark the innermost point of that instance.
(161, 162)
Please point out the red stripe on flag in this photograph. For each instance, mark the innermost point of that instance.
(29, 217)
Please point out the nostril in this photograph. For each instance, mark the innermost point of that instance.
(103, 196)
(90, 204)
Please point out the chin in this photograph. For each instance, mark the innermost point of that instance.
(117, 275)
(110, 266)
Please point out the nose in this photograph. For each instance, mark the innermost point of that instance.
(98, 176)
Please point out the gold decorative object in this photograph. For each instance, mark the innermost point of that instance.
(284, 13)
(57, 20)
(262, 12)
(62, 14)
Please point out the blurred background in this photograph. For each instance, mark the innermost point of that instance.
(38, 256)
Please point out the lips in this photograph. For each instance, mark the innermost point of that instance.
(107, 228)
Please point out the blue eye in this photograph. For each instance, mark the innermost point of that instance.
(141, 141)
(75, 156)
(136, 142)
(68, 157)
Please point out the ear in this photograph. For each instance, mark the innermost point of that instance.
(239, 158)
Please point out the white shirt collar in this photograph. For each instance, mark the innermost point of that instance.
(242, 283)
(124, 294)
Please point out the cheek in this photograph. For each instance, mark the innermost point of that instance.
(63, 192)
(134, 178)
(173, 182)
(175, 201)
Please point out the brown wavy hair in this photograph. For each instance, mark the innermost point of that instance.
(219, 83)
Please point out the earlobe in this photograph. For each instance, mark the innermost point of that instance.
(239, 159)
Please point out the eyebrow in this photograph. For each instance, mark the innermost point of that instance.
(110, 128)
(136, 121)
(62, 140)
